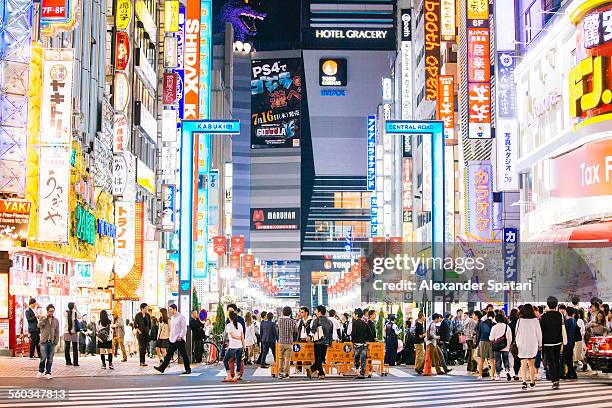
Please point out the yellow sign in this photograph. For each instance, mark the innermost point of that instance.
(124, 14)
(581, 100)
(171, 15)
(478, 9)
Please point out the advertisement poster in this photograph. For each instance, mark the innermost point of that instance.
(276, 102)
(14, 221)
(275, 219)
(54, 184)
(127, 285)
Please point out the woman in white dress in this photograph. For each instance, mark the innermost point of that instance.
(250, 339)
(129, 338)
(528, 341)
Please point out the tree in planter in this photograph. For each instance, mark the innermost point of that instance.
(195, 301)
(219, 325)
(380, 324)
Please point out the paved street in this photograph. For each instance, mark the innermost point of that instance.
(131, 386)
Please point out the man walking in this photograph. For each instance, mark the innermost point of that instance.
(432, 339)
(419, 343)
(269, 335)
(361, 335)
(49, 338)
(32, 314)
(197, 334)
(178, 333)
(142, 324)
(573, 333)
(118, 335)
(322, 329)
(287, 332)
(553, 328)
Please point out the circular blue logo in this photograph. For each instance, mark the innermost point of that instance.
(348, 348)
(296, 348)
(203, 314)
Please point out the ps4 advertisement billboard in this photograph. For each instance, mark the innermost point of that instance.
(276, 102)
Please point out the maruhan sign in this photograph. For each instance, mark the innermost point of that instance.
(351, 34)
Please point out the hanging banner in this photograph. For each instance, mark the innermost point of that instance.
(171, 16)
(371, 129)
(479, 197)
(507, 154)
(248, 262)
(56, 99)
(276, 102)
(123, 14)
(121, 133)
(446, 105)
(191, 52)
(479, 102)
(127, 283)
(237, 245)
(54, 185)
(432, 48)
(506, 90)
(168, 205)
(448, 24)
(125, 214)
(169, 88)
(219, 245)
(235, 261)
(121, 92)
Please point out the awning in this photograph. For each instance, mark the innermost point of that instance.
(587, 235)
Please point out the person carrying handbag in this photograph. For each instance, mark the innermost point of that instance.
(501, 338)
(321, 332)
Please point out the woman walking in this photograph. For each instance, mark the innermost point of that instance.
(528, 342)
(105, 339)
(163, 334)
(235, 335)
(153, 337)
(501, 337)
(250, 339)
(71, 334)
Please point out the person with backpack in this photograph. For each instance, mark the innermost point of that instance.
(501, 338)
(391, 333)
(105, 339)
(321, 330)
(485, 347)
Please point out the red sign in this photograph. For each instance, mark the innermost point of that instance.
(54, 9)
(122, 50)
(407, 184)
(219, 245)
(479, 103)
(583, 172)
(396, 245)
(237, 245)
(235, 261)
(378, 246)
(446, 104)
(248, 262)
(256, 271)
(479, 66)
(169, 88)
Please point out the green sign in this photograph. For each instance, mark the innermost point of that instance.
(86, 225)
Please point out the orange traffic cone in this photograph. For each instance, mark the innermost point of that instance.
(427, 367)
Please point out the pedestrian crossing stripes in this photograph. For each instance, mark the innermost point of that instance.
(265, 372)
(339, 393)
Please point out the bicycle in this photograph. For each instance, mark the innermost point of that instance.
(212, 349)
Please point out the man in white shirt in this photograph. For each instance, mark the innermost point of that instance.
(336, 325)
(178, 332)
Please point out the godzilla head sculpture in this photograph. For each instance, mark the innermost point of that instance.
(244, 16)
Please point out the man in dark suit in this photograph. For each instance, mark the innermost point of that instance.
(197, 333)
(142, 324)
(32, 318)
(269, 335)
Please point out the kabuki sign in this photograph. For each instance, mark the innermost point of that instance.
(56, 104)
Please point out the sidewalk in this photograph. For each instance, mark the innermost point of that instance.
(23, 367)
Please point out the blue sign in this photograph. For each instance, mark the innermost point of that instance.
(217, 127)
(348, 241)
(373, 216)
(203, 314)
(296, 348)
(333, 92)
(511, 254)
(371, 153)
(435, 129)
(347, 348)
(107, 229)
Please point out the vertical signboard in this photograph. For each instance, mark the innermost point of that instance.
(276, 102)
(150, 267)
(479, 102)
(446, 105)
(54, 185)
(507, 154)
(56, 99)
(447, 20)
(426, 200)
(478, 70)
(191, 54)
(506, 90)
(511, 254)
(371, 128)
(125, 216)
(168, 205)
(126, 286)
(205, 58)
(373, 216)
(479, 197)
(406, 48)
(432, 48)
(213, 202)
